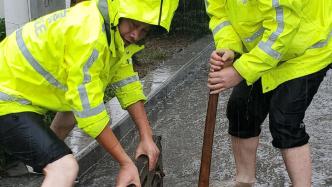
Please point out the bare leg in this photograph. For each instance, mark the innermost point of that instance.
(298, 164)
(62, 172)
(62, 124)
(244, 151)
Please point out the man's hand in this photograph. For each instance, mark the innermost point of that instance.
(149, 148)
(128, 174)
(221, 59)
(222, 75)
(146, 145)
(223, 79)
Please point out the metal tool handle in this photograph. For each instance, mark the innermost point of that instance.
(210, 122)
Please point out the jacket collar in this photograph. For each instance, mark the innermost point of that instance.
(110, 14)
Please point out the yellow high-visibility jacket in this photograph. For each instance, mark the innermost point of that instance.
(279, 39)
(64, 61)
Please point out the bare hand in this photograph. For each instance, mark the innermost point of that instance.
(149, 148)
(128, 175)
(223, 79)
(221, 59)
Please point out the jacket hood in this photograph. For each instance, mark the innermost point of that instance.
(154, 12)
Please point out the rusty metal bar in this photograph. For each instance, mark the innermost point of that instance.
(210, 122)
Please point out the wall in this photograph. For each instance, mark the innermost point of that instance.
(2, 10)
(18, 12)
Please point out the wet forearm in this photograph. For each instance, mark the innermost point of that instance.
(138, 114)
(111, 144)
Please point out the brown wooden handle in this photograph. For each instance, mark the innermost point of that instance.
(210, 122)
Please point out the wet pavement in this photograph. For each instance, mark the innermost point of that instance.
(180, 119)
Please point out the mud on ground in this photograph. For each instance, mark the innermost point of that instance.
(159, 48)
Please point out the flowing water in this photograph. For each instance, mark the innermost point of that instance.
(180, 119)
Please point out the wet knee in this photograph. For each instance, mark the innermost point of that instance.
(67, 128)
(63, 127)
(65, 166)
(64, 121)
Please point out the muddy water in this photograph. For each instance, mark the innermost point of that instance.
(180, 121)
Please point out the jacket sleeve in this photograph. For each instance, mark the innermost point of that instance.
(126, 85)
(85, 93)
(281, 20)
(85, 53)
(223, 32)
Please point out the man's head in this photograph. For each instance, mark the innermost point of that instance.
(132, 31)
(137, 15)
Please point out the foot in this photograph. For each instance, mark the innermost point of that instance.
(10, 166)
(242, 184)
(15, 169)
(230, 184)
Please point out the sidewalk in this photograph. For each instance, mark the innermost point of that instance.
(156, 85)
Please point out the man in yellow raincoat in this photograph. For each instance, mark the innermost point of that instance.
(63, 62)
(275, 53)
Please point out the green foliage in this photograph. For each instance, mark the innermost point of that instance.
(2, 29)
(191, 18)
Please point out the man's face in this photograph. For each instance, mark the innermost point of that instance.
(132, 31)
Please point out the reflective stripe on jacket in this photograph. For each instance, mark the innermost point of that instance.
(62, 62)
(279, 39)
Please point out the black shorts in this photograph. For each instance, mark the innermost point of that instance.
(26, 137)
(286, 105)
